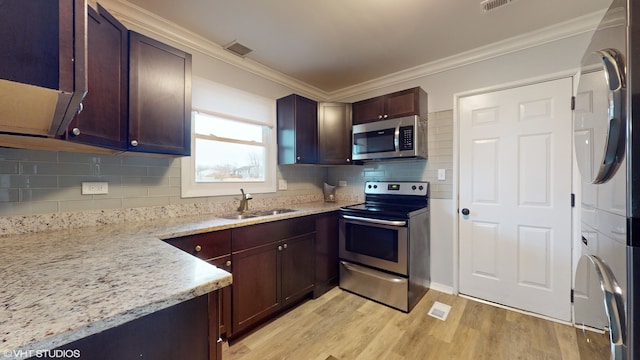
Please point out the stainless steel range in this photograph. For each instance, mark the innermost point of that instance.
(384, 244)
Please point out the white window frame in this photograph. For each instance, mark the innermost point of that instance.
(233, 104)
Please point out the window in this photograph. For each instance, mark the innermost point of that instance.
(233, 142)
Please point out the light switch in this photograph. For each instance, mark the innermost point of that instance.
(442, 174)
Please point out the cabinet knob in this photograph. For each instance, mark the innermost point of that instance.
(297, 157)
(386, 116)
(134, 142)
(284, 246)
(228, 263)
(280, 248)
(75, 132)
(80, 108)
(348, 160)
(379, 116)
(465, 212)
(198, 248)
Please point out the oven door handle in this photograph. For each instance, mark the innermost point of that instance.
(376, 221)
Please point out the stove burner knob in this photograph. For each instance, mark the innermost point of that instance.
(375, 186)
(414, 188)
(421, 187)
(369, 186)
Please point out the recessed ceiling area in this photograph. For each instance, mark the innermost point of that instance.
(334, 44)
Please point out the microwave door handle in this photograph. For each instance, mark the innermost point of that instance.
(376, 221)
(396, 138)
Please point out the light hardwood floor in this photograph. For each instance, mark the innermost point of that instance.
(343, 326)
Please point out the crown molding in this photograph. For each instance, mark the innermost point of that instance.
(543, 36)
(137, 18)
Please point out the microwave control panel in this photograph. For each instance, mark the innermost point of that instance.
(406, 138)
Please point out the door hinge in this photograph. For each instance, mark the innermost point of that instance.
(573, 103)
(572, 296)
(573, 200)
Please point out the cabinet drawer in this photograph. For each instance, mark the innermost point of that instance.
(260, 234)
(205, 246)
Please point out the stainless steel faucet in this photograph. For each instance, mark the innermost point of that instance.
(244, 201)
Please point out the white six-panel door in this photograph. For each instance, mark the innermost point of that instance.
(515, 179)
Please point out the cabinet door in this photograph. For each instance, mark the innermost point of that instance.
(405, 103)
(224, 300)
(42, 65)
(326, 254)
(255, 285)
(298, 269)
(297, 130)
(103, 120)
(334, 133)
(368, 110)
(160, 97)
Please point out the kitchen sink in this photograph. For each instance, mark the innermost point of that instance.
(256, 213)
(273, 212)
(238, 216)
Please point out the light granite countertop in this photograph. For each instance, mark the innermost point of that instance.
(60, 286)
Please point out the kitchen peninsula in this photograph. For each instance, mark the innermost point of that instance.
(66, 285)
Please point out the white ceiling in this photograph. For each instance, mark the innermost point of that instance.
(334, 44)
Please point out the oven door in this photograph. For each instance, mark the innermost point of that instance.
(377, 243)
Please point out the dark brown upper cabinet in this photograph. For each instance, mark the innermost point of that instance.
(42, 65)
(297, 130)
(334, 133)
(159, 97)
(398, 104)
(103, 120)
(139, 92)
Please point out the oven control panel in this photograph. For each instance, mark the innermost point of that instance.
(420, 188)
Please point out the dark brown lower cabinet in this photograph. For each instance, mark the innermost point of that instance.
(326, 253)
(273, 268)
(178, 332)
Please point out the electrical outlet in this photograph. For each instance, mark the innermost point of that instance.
(282, 184)
(95, 187)
(342, 183)
(442, 174)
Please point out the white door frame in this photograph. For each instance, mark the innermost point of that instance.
(575, 214)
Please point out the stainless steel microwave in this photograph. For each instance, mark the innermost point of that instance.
(404, 137)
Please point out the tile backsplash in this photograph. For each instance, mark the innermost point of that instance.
(440, 156)
(43, 187)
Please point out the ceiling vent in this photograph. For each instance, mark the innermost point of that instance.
(237, 48)
(488, 5)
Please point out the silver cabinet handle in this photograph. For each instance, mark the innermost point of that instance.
(75, 131)
(198, 248)
(279, 248)
(284, 246)
(134, 142)
(228, 263)
(386, 116)
(80, 108)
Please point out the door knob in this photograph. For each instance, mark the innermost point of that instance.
(465, 211)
